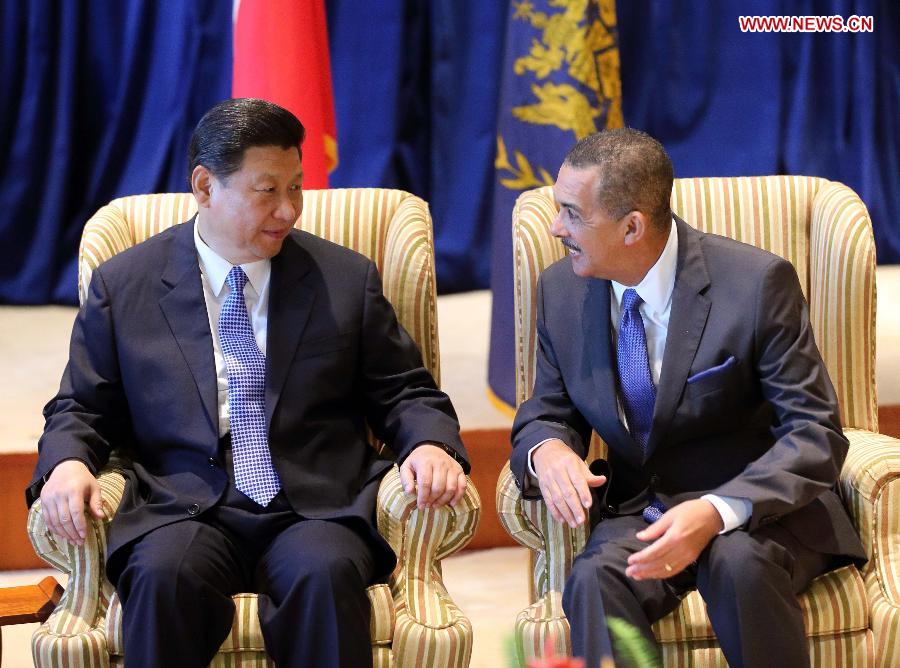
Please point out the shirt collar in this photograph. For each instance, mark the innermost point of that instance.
(656, 287)
(216, 268)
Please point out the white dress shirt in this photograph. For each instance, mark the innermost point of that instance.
(213, 272)
(656, 292)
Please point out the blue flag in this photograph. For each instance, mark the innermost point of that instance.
(560, 83)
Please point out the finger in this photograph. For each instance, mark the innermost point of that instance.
(65, 521)
(573, 487)
(562, 506)
(655, 530)
(449, 488)
(578, 474)
(596, 480)
(423, 482)
(96, 502)
(76, 512)
(407, 478)
(51, 516)
(461, 483)
(438, 484)
(546, 494)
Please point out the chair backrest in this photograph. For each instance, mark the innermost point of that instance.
(391, 227)
(820, 226)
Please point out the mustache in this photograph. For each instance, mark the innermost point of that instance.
(571, 245)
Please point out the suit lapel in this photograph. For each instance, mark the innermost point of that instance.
(184, 308)
(597, 335)
(690, 309)
(290, 305)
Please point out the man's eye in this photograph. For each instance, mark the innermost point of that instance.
(296, 187)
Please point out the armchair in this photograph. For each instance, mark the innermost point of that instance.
(412, 616)
(852, 616)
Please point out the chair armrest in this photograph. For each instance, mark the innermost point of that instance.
(87, 593)
(870, 486)
(529, 522)
(420, 539)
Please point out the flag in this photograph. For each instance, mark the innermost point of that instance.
(560, 83)
(281, 55)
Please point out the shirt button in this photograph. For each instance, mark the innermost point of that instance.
(193, 509)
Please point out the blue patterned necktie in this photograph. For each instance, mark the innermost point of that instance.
(253, 471)
(637, 392)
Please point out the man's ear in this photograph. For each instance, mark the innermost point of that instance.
(201, 184)
(635, 227)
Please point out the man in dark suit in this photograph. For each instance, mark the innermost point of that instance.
(237, 361)
(693, 358)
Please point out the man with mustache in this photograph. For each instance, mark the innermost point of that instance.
(692, 356)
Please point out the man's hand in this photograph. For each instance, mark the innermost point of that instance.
(679, 536)
(63, 497)
(565, 481)
(438, 477)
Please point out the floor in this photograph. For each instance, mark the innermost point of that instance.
(489, 585)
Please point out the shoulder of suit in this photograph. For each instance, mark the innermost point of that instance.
(735, 255)
(323, 249)
(560, 272)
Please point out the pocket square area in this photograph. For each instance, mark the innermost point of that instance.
(712, 371)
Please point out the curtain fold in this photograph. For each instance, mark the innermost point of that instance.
(100, 97)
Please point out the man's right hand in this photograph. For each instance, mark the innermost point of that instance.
(63, 497)
(565, 481)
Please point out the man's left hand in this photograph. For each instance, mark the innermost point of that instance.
(679, 536)
(434, 476)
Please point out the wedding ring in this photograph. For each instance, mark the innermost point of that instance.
(668, 568)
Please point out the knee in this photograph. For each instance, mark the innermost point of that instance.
(743, 562)
(591, 576)
(169, 574)
(329, 568)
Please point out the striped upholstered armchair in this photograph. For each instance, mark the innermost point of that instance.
(852, 616)
(412, 616)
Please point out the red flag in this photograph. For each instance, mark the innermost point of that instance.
(281, 55)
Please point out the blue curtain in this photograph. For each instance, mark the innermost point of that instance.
(99, 98)
(727, 103)
(416, 87)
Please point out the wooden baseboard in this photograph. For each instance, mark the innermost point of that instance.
(16, 552)
(488, 451)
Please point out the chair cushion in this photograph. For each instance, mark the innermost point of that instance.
(246, 634)
(834, 603)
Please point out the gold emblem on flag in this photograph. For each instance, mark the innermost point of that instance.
(580, 43)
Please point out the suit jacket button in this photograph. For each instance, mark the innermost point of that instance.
(213, 462)
(193, 509)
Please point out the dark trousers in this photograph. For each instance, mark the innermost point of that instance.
(748, 581)
(311, 577)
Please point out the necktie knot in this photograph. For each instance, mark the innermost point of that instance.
(631, 300)
(236, 279)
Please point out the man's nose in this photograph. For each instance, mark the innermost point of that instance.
(288, 210)
(557, 229)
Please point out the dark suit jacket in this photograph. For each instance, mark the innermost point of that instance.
(141, 377)
(761, 424)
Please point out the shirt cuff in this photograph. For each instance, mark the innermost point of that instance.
(734, 511)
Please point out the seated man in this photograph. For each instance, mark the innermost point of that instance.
(237, 361)
(693, 358)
